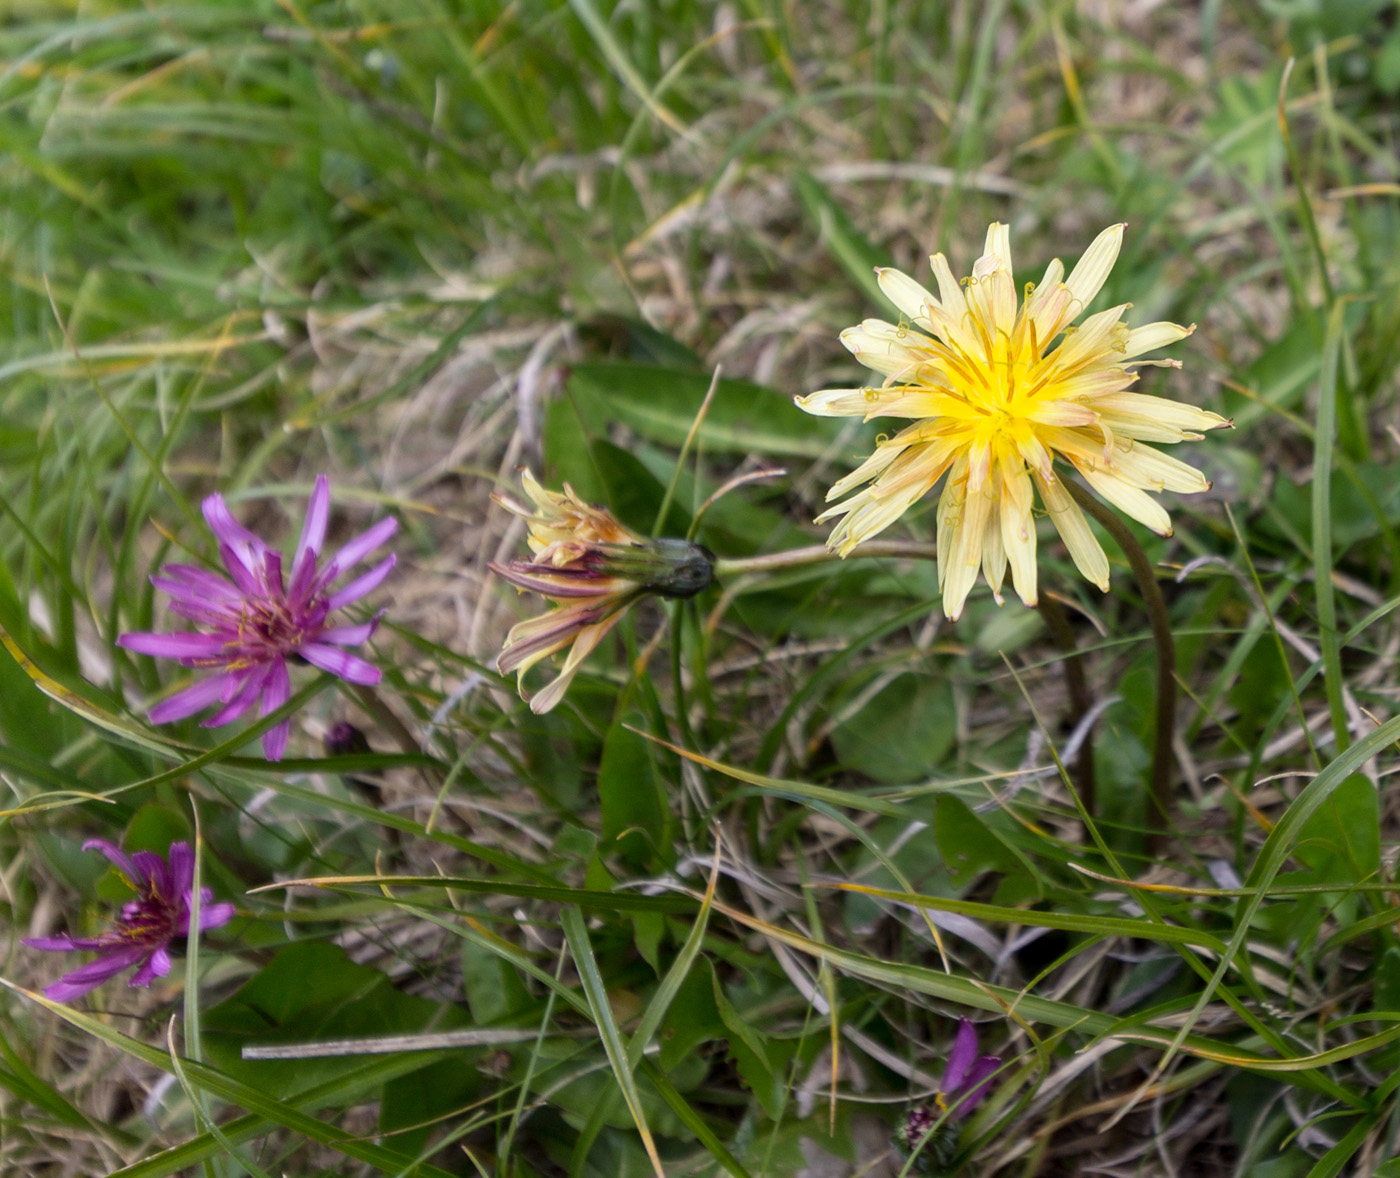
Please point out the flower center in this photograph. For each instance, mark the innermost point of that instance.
(149, 920)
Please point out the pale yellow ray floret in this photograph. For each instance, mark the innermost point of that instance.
(998, 389)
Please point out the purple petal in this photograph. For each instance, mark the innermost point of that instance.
(235, 541)
(94, 973)
(118, 859)
(173, 646)
(349, 635)
(361, 586)
(214, 915)
(60, 944)
(303, 580)
(360, 547)
(976, 1084)
(313, 531)
(186, 582)
(242, 699)
(535, 638)
(157, 965)
(274, 740)
(153, 874)
(278, 688)
(338, 662)
(181, 870)
(549, 581)
(964, 1052)
(228, 530)
(276, 692)
(224, 617)
(191, 699)
(272, 574)
(248, 579)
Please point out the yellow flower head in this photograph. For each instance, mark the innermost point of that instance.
(594, 569)
(994, 404)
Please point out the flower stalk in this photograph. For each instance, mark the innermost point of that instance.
(1052, 613)
(1159, 806)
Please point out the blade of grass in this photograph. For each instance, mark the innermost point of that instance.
(596, 991)
(1323, 445)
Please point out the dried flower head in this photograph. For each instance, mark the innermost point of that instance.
(996, 401)
(594, 570)
(142, 933)
(255, 622)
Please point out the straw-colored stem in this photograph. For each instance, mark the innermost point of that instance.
(775, 562)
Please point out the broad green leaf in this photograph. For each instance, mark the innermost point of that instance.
(902, 733)
(661, 404)
(636, 818)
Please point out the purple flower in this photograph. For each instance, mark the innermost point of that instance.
(968, 1076)
(147, 924)
(931, 1132)
(255, 621)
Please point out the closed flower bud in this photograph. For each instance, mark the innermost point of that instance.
(594, 570)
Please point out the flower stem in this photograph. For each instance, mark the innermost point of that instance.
(1161, 625)
(774, 562)
(1062, 634)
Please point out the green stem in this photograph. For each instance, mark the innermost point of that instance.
(1166, 651)
(1062, 634)
(774, 562)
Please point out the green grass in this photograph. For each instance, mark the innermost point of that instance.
(417, 246)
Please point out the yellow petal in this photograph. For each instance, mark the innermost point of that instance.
(965, 550)
(1084, 547)
(1018, 527)
(1152, 336)
(998, 245)
(1128, 499)
(912, 299)
(1091, 272)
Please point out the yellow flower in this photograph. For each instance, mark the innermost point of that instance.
(594, 569)
(995, 404)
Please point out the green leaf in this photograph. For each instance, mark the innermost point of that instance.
(902, 733)
(967, 844)
(661, 404)
(842, 240)
(1340, 841)
(494, 990)
(635, 815)
(749, 1048)
(311, 991)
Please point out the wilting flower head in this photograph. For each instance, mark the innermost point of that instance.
(967, 1077)
(255, 622)
(141, 935)
(594, 570)
(995, 404)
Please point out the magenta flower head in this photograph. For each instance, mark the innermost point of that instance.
(142, 933)
(967, 1077)
(255, 622)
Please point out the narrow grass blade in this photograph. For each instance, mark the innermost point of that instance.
(596, 991)
(1324, 442)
